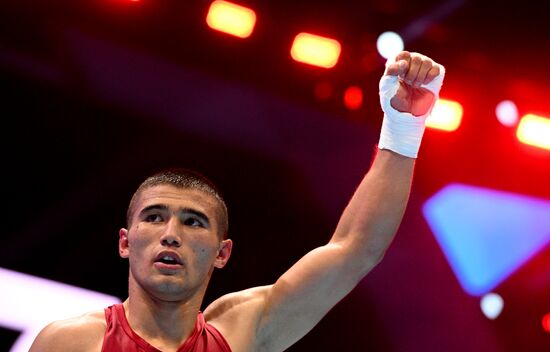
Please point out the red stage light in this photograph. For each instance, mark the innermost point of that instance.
(231, 18)
(534, 130)
(353, 98)
(446, 116)
(315, 50)
(546, 322)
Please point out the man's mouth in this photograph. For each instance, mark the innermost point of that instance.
(168, 258)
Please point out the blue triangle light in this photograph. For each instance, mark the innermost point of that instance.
(486, 234)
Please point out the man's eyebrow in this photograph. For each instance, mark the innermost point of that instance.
(195, 212)
(154, 207)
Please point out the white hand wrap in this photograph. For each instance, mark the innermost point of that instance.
(402, 132)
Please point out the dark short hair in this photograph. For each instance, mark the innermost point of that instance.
(182, 178)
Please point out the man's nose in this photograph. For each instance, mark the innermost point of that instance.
(171, 236)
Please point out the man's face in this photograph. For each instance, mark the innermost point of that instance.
(174, 244)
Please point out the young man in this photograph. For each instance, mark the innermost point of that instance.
(175, 238)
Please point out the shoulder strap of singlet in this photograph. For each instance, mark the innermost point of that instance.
(215, 334)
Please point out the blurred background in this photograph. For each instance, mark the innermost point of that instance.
(99, 94)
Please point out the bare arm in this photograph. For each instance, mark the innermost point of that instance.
(291, 307)
(308, 290)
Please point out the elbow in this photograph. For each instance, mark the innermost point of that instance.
(371, 259)
(363, 251)
(362, 260)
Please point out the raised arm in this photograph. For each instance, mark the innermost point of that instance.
(408, 91)
(292, 306)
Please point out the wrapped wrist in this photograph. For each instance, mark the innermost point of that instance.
(401, 131)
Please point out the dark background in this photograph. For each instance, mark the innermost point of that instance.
(99, 94)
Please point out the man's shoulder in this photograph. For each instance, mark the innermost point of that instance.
(82, 333)
(236, 302)
(236, 316)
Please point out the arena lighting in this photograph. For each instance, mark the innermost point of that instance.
(486, 234)
(446, 116)
(315, 50)
(353, 98)
(389, 44)
(231, 18)
(507, 113)
(28, 303)
(534, 130)
(491, 305)
(546, 322)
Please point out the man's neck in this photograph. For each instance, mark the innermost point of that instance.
(165, 325)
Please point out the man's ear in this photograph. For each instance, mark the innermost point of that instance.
(123, 249)
(223, 253)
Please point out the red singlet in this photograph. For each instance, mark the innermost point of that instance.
(120, 337)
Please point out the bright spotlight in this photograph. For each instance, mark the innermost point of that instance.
(231, 18)
(315, 50)
(353, 98)
(446, 116)
(546, 322)
(389, 44)
(534, 130)
(491, 305)
(507, 113)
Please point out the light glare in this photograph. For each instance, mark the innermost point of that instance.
(491, 305)
(487, 234)
(353, 98)
(507, 113)
(389, 44)
(446, 116)
(546, 322)
(534, 130)
(28, 303)
(315, 50)
(231, 18)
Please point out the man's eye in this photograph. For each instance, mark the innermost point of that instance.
(192, 222)
(153, 218)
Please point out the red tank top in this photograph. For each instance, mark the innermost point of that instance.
(120, 337)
